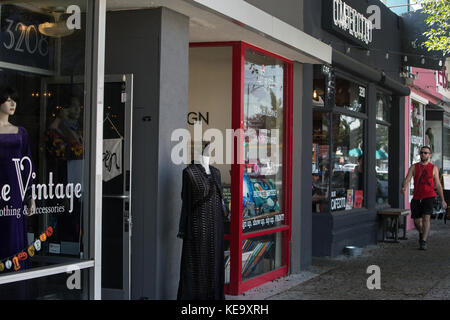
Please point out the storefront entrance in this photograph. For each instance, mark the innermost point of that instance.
(116, 212)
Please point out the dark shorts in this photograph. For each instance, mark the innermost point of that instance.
(421, 207)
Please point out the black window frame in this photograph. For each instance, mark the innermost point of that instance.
(363, 116)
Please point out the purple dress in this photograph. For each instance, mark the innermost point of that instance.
(13, 232)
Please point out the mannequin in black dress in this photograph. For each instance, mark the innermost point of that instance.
(201, 228)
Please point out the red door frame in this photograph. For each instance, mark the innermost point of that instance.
(236, 285)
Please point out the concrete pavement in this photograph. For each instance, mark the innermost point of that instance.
(406, 273)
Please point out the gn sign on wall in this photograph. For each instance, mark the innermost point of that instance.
(342, 19)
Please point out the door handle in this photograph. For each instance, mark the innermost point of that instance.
(111, 196)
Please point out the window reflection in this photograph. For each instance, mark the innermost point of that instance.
(347, 163)
(320, 162)
(382, 164)
(350, 95)
(263, 147)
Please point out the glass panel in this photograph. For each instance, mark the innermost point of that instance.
(446, 144)
(383, 107)
(433, 139)
(417, 120)
(318, 97)
(382, 164)
(210, 102)
(261, 255)
(42, 152)
(113, 207)
(417, 131)
(350, 95)
(320, 161)
(347, 163)
(263, 141)
(70, 285)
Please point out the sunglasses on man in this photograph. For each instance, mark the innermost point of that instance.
(424, 152)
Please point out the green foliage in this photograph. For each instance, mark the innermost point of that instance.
(438, 21)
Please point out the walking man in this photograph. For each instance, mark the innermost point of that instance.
(426, 178)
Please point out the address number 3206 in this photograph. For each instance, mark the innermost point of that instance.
(22, 37)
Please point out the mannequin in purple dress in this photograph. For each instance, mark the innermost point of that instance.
(14, 144)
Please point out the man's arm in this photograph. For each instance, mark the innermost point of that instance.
(438, 185)
(407, 180)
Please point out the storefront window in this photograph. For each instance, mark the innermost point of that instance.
(417, 122)
(253, 119)
(383, 107)
(261, 255)
(42, 154)
(347, 163)
(446, 144)
(263, 142)
(382, 164)
(350, 95)
(320, 161)
(382, 147)
(342, 128)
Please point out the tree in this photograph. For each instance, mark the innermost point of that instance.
(438, 21)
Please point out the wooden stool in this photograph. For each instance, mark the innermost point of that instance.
(395, 215)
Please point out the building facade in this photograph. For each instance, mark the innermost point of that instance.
(110, 92)
(358, 124)
(102, 89)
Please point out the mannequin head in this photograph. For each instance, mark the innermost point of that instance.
(206, 150)
(8, 100)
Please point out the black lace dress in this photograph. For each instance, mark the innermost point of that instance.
(201, 228)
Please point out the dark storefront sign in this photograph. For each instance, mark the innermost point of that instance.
(347, 22)
(21, 41)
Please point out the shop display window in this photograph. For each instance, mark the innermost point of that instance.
(320, 161)
(382, 147)
(245, 93)
(350, 95)
(263, 153)
(382, 164)
(338, 151)
(347, 163)
(43, 155)
(417, 135)
(446, 145)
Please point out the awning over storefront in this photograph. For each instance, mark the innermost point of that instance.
(237, 20)
(369, 73)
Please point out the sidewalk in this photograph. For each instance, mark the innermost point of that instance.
(406, 273)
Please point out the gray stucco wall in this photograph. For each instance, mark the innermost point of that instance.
(289, 11)
(153, 45)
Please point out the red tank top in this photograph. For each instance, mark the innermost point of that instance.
(423, 181)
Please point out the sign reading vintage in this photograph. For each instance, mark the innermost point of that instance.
(341, 18)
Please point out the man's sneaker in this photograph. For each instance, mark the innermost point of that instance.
(423, 245)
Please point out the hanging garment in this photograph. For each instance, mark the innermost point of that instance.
(13, 233)
(202, 230)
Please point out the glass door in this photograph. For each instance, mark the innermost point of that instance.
(116, 212)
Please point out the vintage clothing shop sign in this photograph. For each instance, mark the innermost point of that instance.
(25, 177)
